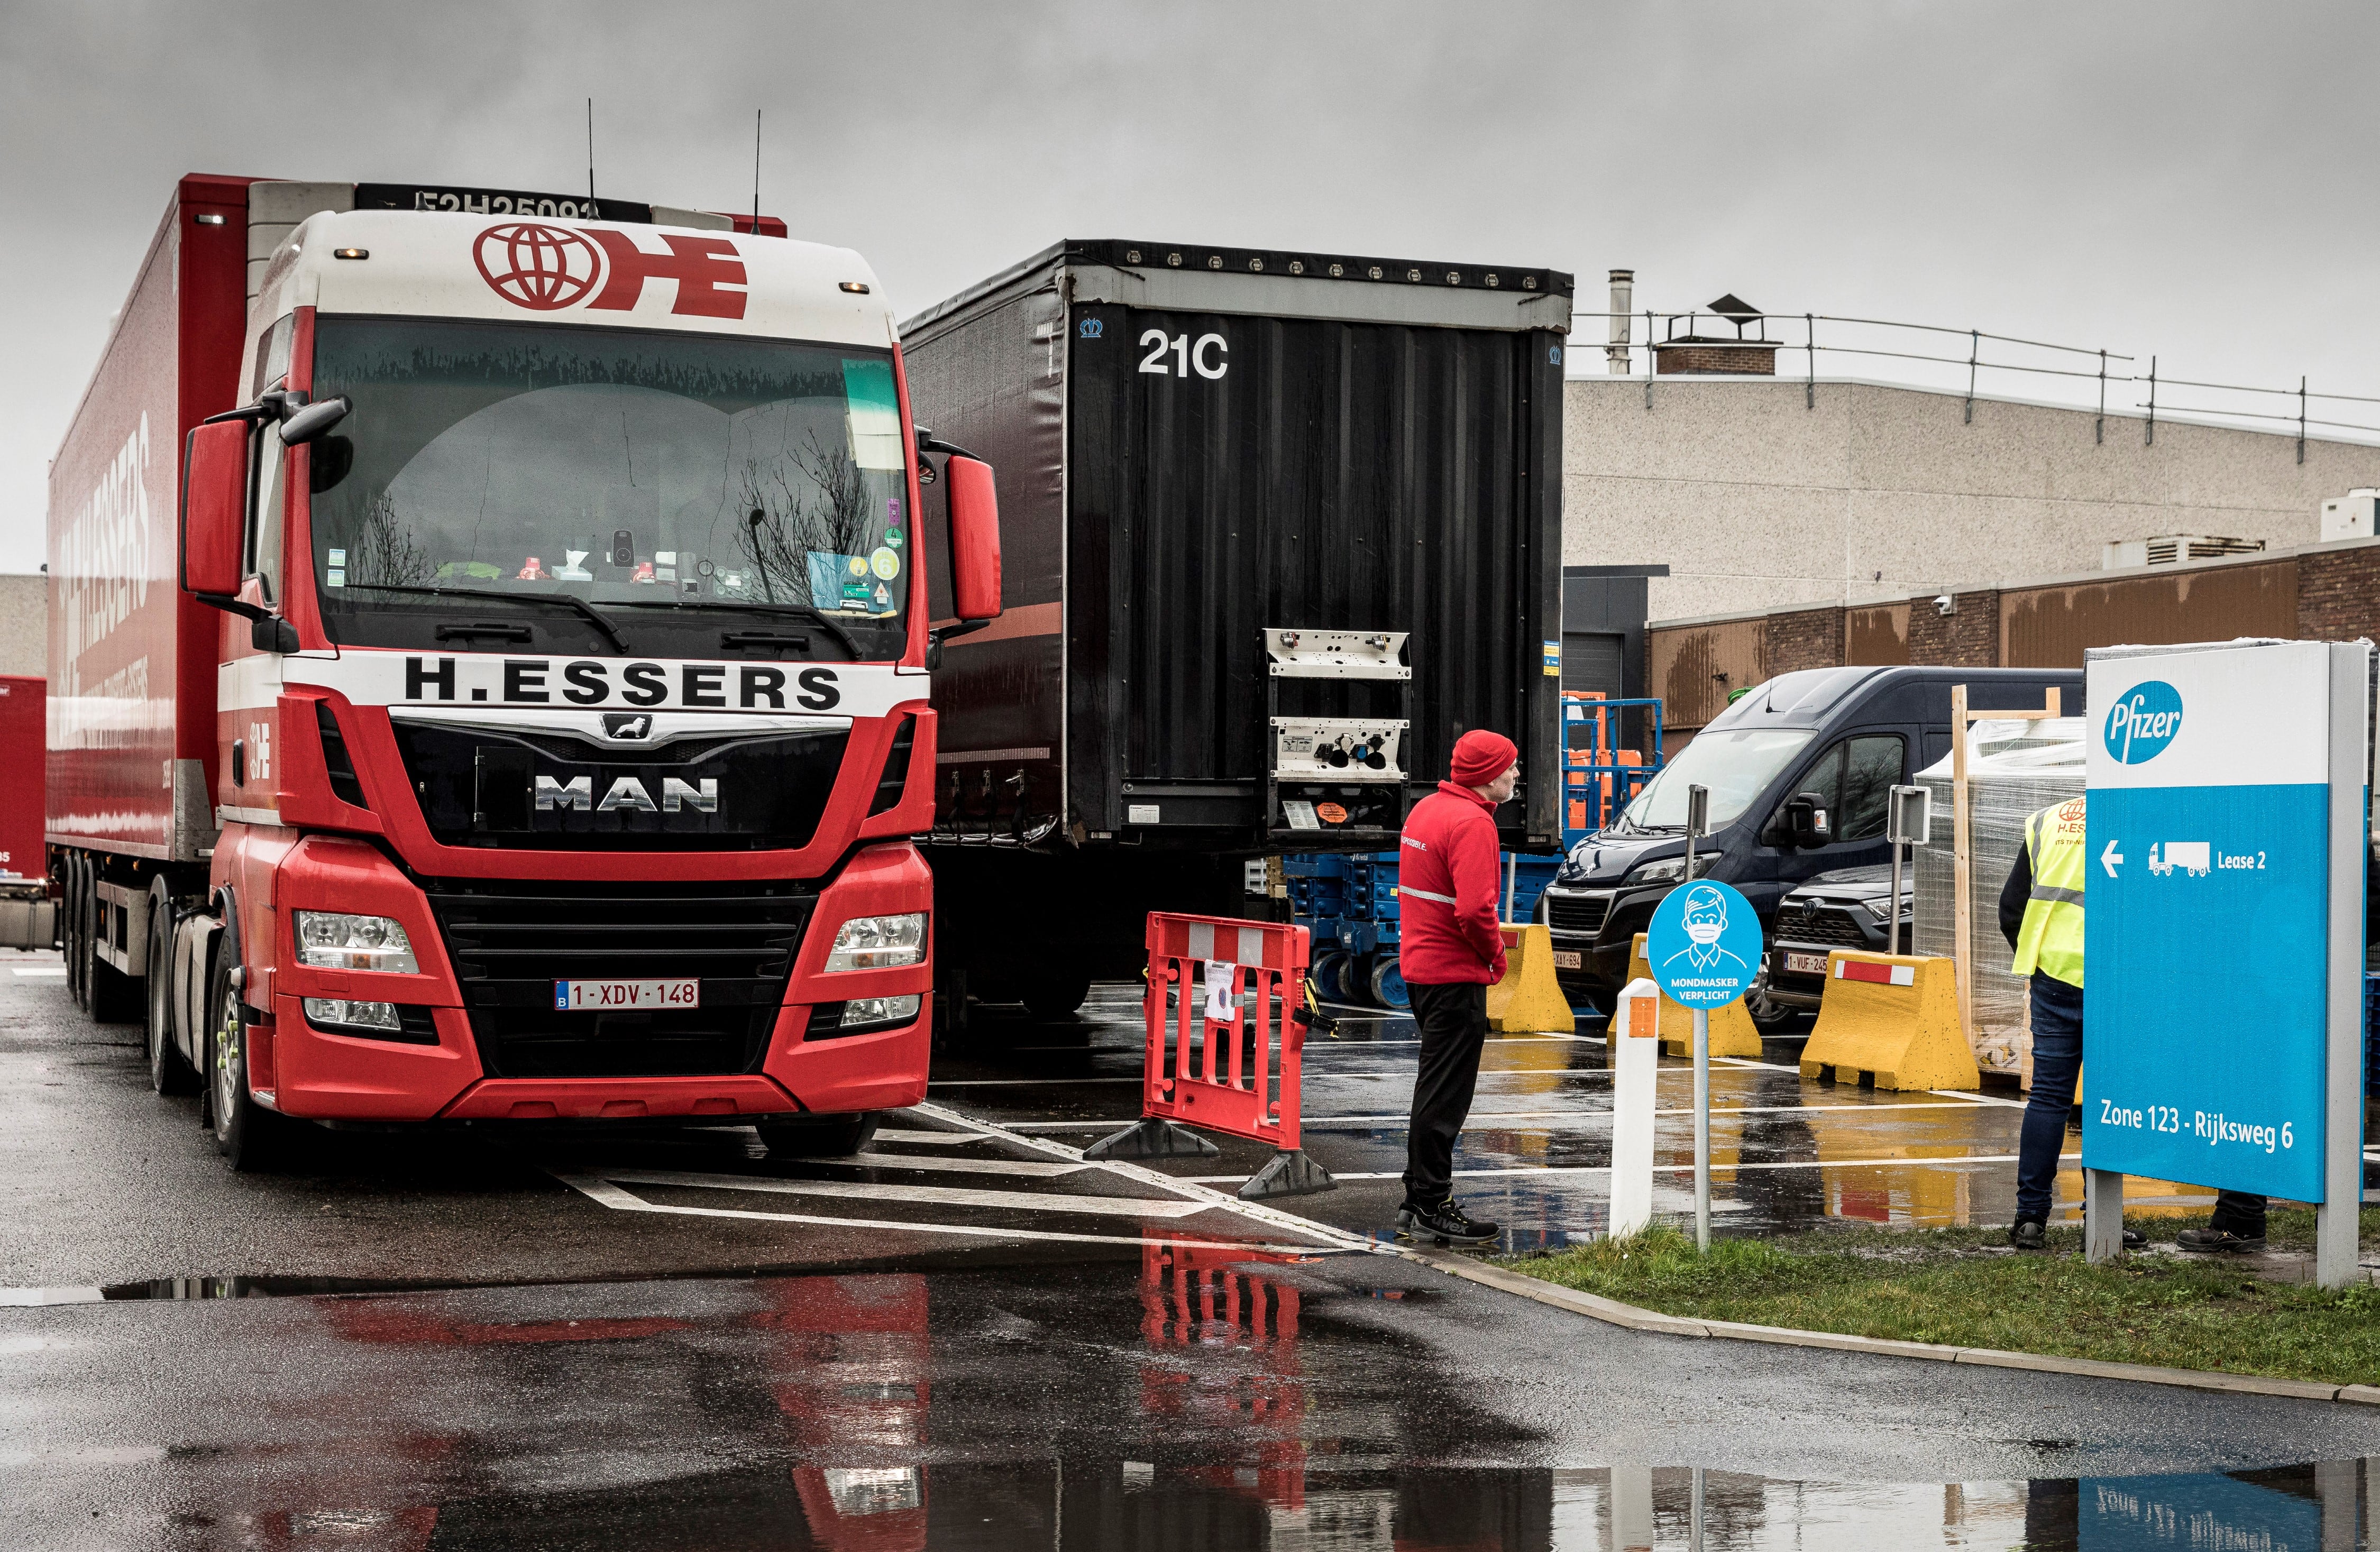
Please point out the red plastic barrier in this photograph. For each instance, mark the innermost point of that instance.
(1227, 1058)
(1205, 1072)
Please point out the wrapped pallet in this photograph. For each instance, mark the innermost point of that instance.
(2014, 768)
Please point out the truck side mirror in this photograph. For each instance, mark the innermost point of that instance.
(215, 504)
(309, 424)
(1807, 823)
(974, 541)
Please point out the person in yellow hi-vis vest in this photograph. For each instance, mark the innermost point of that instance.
(2041, 916)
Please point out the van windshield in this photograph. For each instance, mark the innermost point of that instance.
(1736, 767)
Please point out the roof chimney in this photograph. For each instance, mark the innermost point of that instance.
(1623, 297)
(1744, 356)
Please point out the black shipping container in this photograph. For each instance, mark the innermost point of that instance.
(1194, 446)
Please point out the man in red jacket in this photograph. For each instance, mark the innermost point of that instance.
(1452, 952)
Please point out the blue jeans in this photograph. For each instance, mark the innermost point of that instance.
(2057, 1061)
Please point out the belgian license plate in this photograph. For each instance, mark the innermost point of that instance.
(637, 996)
(1806, 964)
(1568, 959)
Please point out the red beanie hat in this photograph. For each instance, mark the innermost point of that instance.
(1480, 756)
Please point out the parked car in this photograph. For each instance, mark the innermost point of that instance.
(1843, 909)
(1799, 773)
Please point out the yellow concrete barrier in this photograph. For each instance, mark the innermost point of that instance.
(1893, 1018)
(1733, 1032)
(1528, 997)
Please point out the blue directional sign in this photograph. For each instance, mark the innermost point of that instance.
(1703, 945)
(2226, 799)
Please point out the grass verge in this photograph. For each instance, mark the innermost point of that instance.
(1964, 1287)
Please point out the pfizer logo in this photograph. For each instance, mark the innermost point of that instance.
(2143, 722)
(536, 266)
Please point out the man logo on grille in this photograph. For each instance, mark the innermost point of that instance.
(628, 724)
(536, 266)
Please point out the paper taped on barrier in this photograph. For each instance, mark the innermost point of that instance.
(1222, 991)
(2014, 768)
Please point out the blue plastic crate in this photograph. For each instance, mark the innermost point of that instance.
(2371, 1035)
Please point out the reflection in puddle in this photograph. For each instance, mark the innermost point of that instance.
(1204, 1399)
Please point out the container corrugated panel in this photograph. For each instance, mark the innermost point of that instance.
(1189, 456)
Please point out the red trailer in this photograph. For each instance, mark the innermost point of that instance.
(20, 779)
(488, 666)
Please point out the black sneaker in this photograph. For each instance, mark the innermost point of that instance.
(2026, 1235)
(2218, 1241)
(1445, 1223)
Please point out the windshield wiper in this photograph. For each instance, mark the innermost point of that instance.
(798, 611)
(568, 600)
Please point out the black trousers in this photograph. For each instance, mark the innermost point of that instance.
(1453, 1019)
(2241, 1212)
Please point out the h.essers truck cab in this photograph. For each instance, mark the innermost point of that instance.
(1799, 773)
(490, 659)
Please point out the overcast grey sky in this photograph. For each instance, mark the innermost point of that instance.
(2190, 179)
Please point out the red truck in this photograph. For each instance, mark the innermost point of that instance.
(489, 651)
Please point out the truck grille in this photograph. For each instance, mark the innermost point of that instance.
(511, 941)
(1577, 913)
(1819, 924)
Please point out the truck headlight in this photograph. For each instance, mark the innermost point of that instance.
(879, 943)
(332, 1011)
(336, 940)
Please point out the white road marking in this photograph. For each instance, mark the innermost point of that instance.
(623, 1201)
(1262, 1214)
(938, 1196)
(1502, 1121)
(1021, 1083)
(932, 1139)
(58, 971)
(945, 1165)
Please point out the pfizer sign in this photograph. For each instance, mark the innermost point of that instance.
(2144, 719)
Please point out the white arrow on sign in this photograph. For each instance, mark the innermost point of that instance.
(2108, 858)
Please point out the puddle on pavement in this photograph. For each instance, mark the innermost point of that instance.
(1351, 1506)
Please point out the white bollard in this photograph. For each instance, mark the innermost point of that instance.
(1635, 1036)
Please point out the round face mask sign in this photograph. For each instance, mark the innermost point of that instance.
(1703, 945)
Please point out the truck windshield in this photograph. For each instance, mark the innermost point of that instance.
(631, 489)
(1736, 767)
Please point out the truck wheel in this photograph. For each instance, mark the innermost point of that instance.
(1056, 996)
(1389, 984)
(826, 1136)
(169, 1071)
(247, 1135)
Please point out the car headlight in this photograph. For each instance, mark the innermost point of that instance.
(1667, 870)
(1879, 910)
(336, 940)
(879, 943)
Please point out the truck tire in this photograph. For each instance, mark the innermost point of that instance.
(1056, 996)
(170, 1072)
(247, 1135)
(109, 995)
(818, 1136)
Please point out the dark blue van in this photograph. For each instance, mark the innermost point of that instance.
(1799, 771)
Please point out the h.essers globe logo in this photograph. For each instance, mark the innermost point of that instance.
(2143, 722)
(538, 266)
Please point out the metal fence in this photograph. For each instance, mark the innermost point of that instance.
(2082, 377)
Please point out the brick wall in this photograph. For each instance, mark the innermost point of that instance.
(1806, 639)
(2339, 594)
(1730, 360)
(1969, 638)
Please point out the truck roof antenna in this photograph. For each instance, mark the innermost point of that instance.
(756, 172)
(590, 150)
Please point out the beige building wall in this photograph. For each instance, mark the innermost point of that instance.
(25, 625)
(1754, 499)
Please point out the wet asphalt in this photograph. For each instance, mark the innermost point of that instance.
(970, 1338)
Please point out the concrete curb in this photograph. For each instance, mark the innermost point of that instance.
(1612, 1311)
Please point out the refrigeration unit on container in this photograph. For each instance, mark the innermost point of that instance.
(1280, 527)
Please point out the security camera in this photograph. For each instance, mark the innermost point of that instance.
(1945, 604)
